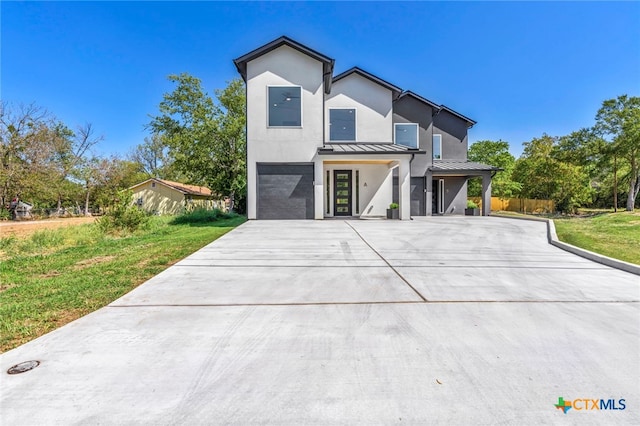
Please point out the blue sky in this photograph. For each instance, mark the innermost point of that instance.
(520, 69)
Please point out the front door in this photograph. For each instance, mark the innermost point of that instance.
(342, 193)
(437, 196)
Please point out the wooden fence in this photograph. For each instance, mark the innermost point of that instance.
(521, 205)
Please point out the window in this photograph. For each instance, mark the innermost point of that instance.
(407, 134)
(437, 147)
(342, 124)
(285, 107)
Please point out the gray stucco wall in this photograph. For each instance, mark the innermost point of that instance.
(455, 194)
(410, 110)
(454, 135)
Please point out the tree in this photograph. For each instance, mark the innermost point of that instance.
(544, 175)
(618, 122)
(206, 141)
(495, 153)
(153, 157)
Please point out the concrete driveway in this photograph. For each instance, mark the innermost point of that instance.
(445, 320)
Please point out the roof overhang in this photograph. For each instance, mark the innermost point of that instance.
(461, 168)
(395, 90)
(327, 62)
(366, 149)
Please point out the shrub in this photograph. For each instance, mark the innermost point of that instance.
(202, 216)
(471, 204)
(393, 206)
(123, 216)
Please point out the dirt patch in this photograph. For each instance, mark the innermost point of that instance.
(49, 274)
(93, 261)
(22, 229)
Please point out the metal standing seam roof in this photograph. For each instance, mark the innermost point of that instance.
(366, 148)
(460, 166)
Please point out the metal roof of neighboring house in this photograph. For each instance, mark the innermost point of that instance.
(355, 70)
(460, 166)
(327, 62)
(180, 187)
(366, 148)
(469, 121)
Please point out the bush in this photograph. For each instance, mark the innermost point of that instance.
(123, 216)
(471, 204)
(393, 206)
(202, 216)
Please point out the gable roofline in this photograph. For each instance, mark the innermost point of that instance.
(180, 187)
(327, 62)
(420, 98)
(356, 70)
(469, 121)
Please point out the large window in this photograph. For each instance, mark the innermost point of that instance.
(342, 124)
(406, 134)
(437, 147)
(285, 107)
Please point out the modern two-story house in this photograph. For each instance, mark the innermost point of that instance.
(348, 145)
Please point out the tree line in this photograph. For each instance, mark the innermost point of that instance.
(595, 166)
(194, 139)
(201, 140)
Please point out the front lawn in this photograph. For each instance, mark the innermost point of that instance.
(615, 235)
(56, 276)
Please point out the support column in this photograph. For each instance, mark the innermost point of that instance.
(486, 194)
(404, 183)
(318, 190)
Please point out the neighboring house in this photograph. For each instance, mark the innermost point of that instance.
(165, 197)
(321, 146)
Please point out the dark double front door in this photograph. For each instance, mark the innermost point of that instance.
(342, 193)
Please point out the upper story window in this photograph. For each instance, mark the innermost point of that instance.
(406, 134)
(342, 124)
(437, 147)
(285, 106)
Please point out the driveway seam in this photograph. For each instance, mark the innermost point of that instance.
(424, 299)
(399, 302)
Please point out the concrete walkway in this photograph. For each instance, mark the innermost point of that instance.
(358, 322)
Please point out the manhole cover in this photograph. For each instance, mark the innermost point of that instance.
(23, 366)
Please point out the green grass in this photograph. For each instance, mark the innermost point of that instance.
(56, 276)
(615, 235)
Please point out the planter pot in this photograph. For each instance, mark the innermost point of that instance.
(393, 214)
(472, 212)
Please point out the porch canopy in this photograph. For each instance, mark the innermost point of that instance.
(371, 154)
(468, 169)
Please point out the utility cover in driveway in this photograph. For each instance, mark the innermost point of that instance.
(285, 191)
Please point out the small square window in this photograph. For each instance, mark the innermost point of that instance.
(342, 124)
(437, 147)
(406, 134)
(285, 107)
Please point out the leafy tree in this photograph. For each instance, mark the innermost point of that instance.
(618, 122)
(544, 175)
(154, 158)
(495, 153)
(207, 141)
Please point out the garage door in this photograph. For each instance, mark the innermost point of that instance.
(285, 191)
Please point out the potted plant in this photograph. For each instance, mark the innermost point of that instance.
(472, 209)
(393, 212)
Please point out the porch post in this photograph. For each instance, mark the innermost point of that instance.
(486, 194)
(429, 194)
(318, 190)
(404, 182)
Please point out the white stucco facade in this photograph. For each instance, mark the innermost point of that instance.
(283, 66)
(373, 104)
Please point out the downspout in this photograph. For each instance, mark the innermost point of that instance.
(410, 161)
